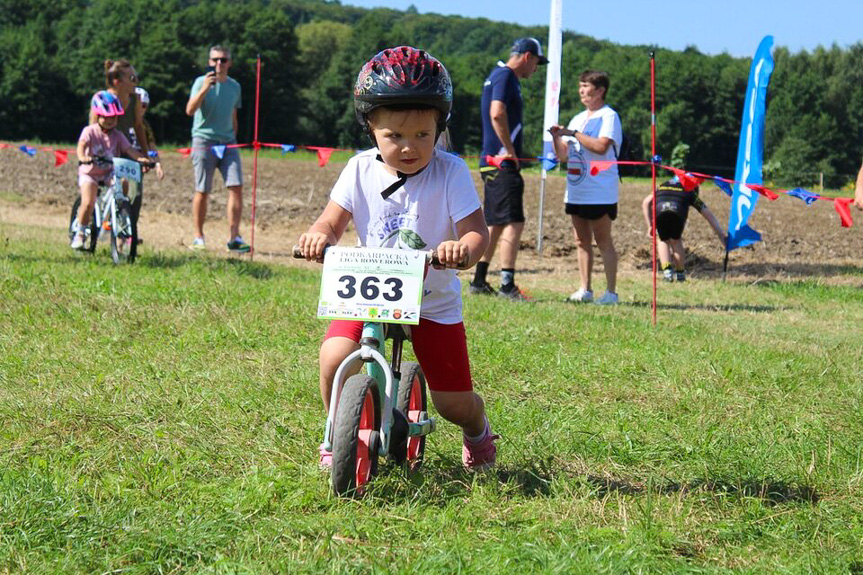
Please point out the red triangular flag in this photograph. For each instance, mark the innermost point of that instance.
(2, 145)
(766, 192)
(493, 161)
(324, 155)
(60, 157)
(688, 181)
(841, 205)
(597, 166)
(185, 151)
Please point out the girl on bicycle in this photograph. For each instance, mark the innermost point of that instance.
(403, 98)
(98, 144)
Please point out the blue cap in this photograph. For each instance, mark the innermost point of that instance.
(531, 45)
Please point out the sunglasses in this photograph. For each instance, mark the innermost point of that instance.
(133, 78)
(222, 60)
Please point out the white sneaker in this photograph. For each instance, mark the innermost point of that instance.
(198, 245)
(581, 296)
(608, 298)
(78, 241)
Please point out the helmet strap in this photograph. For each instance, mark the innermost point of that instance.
(402, 179)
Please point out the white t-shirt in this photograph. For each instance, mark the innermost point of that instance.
(419, 215)
(581, 187)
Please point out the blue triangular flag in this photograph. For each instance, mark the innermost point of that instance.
(28, 150)
(219, 151)
(288, 148)
(743, 237)
(724, 186)
(804, 195)
(548, 164)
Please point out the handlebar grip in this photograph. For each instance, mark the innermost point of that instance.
(297, 253)
(433, 260)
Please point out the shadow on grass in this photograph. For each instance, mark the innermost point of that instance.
(166, 260)
(708, 307)
(767, 489)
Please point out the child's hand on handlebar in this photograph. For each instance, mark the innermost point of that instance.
(313, 244)
(452, 254)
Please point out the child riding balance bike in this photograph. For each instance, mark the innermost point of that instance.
(403, 193)
(98, 144)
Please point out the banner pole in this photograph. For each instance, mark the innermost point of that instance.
(653, 170)
(551, 114)
(257, 146)
(541, 211)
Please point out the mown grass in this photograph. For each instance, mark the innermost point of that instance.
(164, 417)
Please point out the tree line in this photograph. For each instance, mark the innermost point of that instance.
(51, 55)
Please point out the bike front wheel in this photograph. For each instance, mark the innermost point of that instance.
(413, 403)
(356, 439)
(124, 236)
(92, 236)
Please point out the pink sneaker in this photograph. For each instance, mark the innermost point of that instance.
(326, 457)
(480, 456)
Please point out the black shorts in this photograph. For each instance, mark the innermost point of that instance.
(592, 211)
(504, 195)
(670, 219)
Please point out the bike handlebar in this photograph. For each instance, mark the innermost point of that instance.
(103, 160)
(431, 258)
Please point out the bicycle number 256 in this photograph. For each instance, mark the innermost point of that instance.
(372, 284)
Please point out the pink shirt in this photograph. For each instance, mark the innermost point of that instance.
(107, 145)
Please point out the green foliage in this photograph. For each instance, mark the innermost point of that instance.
(311, 50)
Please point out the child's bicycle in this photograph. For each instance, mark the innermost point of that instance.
(383, 412)
(112, 212)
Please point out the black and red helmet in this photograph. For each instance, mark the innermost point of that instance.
(403, 76)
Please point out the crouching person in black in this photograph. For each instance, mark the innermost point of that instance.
(672, 208)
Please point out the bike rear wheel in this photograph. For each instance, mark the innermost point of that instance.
(413, 403)
(124, 236)
(90, 240)
(356, 439)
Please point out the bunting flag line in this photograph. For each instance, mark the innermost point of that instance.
(689, 179)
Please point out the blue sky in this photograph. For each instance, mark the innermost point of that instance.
(712, 26)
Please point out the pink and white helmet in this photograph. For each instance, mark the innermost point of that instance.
(106, 104)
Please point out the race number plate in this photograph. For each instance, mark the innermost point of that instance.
(127, 170)
(372, 284)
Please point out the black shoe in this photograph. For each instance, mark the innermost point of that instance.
(482, 289)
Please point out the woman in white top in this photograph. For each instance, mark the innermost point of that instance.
(591, 200)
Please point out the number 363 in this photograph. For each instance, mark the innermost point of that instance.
(368, 288)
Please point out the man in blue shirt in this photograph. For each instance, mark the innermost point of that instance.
(501, 110)
(213, 103)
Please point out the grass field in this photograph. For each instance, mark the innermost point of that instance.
(164, 418)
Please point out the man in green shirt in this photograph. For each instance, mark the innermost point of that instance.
(213, 103)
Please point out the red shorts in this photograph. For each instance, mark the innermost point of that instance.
(441, 350)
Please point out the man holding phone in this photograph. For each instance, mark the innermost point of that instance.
(213, 103)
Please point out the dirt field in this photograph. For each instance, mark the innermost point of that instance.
(799, 240)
